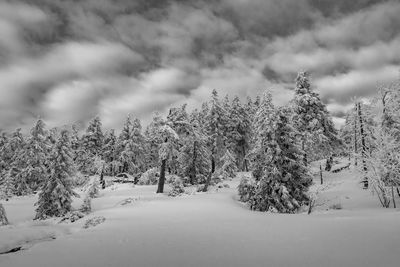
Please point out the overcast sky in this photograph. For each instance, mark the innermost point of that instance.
(68, 60)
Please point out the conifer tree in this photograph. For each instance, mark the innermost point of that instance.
(131, 147)
(312, 120)
(282, 179)
(214, 123)
(237, 133)
(110, 152)
(153, 140)
(194, 157)
(92, 139)
(35, 157)
(56, 196)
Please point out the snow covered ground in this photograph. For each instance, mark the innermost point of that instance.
(209, 229)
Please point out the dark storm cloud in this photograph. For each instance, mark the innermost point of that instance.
(69, 60)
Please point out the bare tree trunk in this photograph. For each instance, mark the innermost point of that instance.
(363, 146)
(193, 169)
(161, 181)
(209, 175)
(245, 167)
(394, 202)
(355, 139)
(305, 154)
(320, 173)
(102, 182)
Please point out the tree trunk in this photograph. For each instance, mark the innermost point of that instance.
(102, 182)
(320, 173)
(394, 202)
(355, 139)
(363, 146)
(193, 169)
(161, 181)
(245, 167)
(305, 154)
(209, 175)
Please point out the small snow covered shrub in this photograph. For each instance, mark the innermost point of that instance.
(246, 188)
(94, 222)
(336, 206)
(87, 205)
(80, 179)
(72, 216)
(177, 188)
(94, 189)
(169, 179)
(149, 177)
(3, 216)
(228, 169)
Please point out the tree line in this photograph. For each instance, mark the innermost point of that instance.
(200, 146)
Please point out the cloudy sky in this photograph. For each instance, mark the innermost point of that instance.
(68, 60)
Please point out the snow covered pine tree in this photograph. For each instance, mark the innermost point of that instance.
(55, 197)
(282, 179)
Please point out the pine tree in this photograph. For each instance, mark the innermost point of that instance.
(282, 178)
(237, 132)
(35, 157)
(194, 157)
(312, 120)
(214, 124)
(91, 147)
(110, 153)
(131, 147)
(169, 136)
(92, 139)
(14, 152)
(56, 196)
(153, 140)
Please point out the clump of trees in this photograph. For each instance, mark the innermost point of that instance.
(371, 134)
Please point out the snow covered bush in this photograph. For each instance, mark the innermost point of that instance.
(246, 188)
(92, 222)
(80, 179)
(86, 205)
(149, 177)
(228, 169)
(177, 188)
(93, 189)
(72, 216)
(3, 216)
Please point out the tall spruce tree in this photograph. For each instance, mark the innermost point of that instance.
(312, 120)
(56, 196)
(35, 157)
(282, 179)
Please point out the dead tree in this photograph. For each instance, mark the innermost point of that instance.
(363, 144)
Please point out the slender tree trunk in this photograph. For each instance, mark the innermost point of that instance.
(102, 182)
(245, 167)
(320, 173)
(161, 181)
(394, 202)
(305, 154)
(363, 146)
(193, 169)
(355, 138)
(209, 175)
